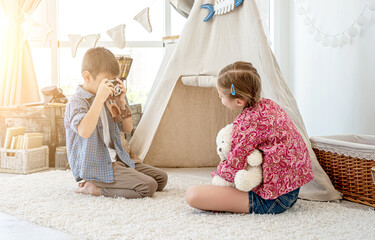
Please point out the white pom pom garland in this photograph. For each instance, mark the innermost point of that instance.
(318, 37)
(335, 42)
(362, 21)
(338, 39)
(325, 42)
(352, 31)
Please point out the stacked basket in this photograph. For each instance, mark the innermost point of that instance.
(24, 161)
(348, 160)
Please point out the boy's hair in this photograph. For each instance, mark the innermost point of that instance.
(100, 60)
(245, 79)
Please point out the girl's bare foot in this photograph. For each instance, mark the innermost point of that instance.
(88, 188)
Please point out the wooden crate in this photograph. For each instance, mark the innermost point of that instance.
(46, 119)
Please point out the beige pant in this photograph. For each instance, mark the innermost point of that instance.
(140, 182)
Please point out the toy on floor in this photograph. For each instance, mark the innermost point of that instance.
(245, 179)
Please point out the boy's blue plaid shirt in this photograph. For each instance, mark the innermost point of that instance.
(89, 158)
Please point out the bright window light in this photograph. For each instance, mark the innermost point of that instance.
(3, 25)
(146, 62)
(55, 65)
(75, 17)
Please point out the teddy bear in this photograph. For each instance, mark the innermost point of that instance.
(246, 179)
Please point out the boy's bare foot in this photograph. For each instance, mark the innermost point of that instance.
(88, 188)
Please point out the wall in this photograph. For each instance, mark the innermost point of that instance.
(334, 87)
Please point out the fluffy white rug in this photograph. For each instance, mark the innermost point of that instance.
(48, 199)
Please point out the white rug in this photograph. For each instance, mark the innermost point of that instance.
(48, 199)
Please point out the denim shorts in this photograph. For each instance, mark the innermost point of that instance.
(259, 205)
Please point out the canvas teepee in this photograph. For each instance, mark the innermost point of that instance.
(184, 114)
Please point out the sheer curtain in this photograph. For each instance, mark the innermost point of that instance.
(18, 82)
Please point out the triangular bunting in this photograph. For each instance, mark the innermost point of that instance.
(118, 35)
(144, 19)
(92, 39)
(47, 32)
(75, 40)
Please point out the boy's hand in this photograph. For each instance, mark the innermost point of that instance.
(105, 90)
(123, 92)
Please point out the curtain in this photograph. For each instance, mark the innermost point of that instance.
(18, 82)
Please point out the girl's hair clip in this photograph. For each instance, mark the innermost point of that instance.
(232, 90)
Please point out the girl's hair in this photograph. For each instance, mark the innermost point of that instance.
(100, 60)
(245, 79)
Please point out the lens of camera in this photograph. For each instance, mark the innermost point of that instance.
(117, 90)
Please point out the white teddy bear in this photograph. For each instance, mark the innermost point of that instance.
(245, 180)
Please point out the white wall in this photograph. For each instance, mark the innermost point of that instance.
(334, 87)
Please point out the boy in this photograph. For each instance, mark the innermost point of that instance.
(93, 139)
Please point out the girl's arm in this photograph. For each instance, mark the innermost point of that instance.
(246, 137)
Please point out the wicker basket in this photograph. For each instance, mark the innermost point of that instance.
(24, 161)
(348, 159)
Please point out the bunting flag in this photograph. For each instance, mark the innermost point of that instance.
(118, 35)
(92, 39)
(144, 19)
(75, 40)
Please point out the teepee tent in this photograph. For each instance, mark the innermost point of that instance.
(184, 113)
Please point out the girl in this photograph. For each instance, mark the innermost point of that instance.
(264, 125)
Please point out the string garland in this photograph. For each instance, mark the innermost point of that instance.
(337, 39)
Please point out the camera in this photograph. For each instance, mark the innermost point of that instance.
(53, 94)
(115, 87)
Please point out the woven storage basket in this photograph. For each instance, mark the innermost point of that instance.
(348, 159)
(24, 161)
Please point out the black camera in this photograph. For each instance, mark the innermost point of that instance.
(53, 94)
(115, 87)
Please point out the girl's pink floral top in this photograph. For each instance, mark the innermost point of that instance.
(286, 160)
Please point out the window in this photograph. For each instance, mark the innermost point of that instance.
(145, 65)
(74, 17)
(54, 64)
(100, 18)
